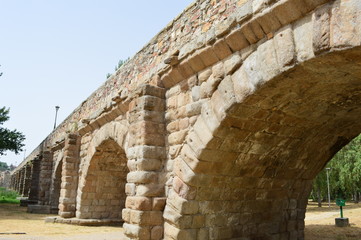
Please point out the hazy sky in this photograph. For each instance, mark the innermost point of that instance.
(59, 52)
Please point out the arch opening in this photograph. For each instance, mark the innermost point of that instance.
(103, 193)
(56, 187)
(254, 175)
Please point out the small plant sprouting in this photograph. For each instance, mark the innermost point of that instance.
(120, 63)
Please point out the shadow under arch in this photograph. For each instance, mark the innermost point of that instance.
(56, 184)
(249, 161)
(101, 190)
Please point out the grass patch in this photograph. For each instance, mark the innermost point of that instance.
(8, 196)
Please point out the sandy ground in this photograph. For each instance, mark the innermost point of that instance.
(15, 223)
(320, 222)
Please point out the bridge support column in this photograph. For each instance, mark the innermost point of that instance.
(34, 185)
(46, 166)
(145, 201)
(21, 181)
(27, 180)
(69, 179)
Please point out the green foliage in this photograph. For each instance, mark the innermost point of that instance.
(4, 166)
(120, 63)
(11, 140)
(7, 196)
(345, 174)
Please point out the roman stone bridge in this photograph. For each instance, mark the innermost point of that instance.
(215, 129)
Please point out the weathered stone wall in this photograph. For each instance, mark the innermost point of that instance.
(216, 128)
(5, 179)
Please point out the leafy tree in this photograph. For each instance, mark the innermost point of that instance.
(3, 166)
(9, 139)
(345, 174)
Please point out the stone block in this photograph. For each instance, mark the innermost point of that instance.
(208, 56)
(185, 69)
(177, 137)
(232, 63)
(258, 5)
(203, 132)
(139, 203)
(158, 204)
(204, 75)
(134, 231)
(243, 87)
(184, 172)
(321, 29)
(196, 63)
(176, 75)
(224, 27)
(345, 24)
(303, 37)
(237, 40)
(156, 233)
(244, 11)
(183, 206)
(130, 189)
(289, 11)
(183, 190)
(151, 90)
(179, 220)
(150, 190)
(194, 109)
(221, 49)
(285, 46)
(218, 70)
(267, 60)
(151, 152)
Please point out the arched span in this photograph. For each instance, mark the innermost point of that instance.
(56, 181)
(101, 193)
(248, 162)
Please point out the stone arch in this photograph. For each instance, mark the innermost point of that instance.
(101, 192)
(56, 183)
(246, 167)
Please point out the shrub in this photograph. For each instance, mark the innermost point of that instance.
(7, 196)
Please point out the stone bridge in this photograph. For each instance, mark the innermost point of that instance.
(215, 129)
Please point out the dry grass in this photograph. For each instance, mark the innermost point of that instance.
(319, 225)
(15, 219)
(320, 222)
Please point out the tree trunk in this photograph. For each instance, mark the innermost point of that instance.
(319, 200)
(356, 197)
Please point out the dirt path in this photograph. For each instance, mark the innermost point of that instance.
(320, 222)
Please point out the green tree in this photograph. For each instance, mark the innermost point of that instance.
(3, 166)
(10, 140)
(345, 174)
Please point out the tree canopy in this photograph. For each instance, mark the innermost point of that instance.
(345, 174)
(10, 140)
(4, 166)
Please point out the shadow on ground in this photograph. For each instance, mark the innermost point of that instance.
(331, 232)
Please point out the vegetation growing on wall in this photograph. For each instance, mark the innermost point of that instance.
(344, 174)
(120, 63)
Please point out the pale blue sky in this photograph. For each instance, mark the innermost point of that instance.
(59, 52)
